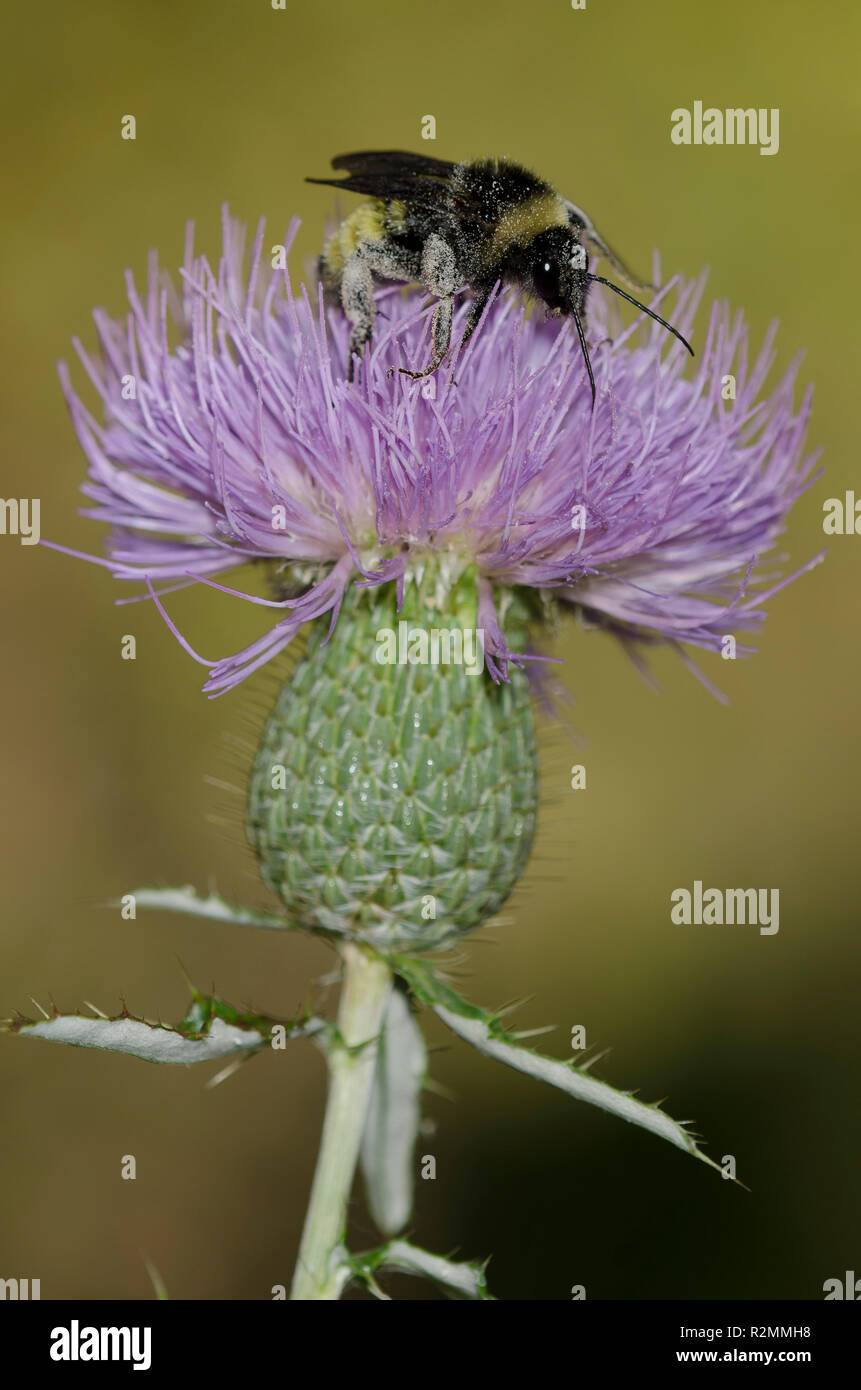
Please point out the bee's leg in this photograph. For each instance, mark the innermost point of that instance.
(441, 333)
(439, 275)
(477, 308)
(392, 262)
(357, 287)
(357, 297)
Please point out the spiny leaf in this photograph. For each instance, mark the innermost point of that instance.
(483, 1031)
(459, 1279)
(188, 901)
(427, 985)
(211, 1029)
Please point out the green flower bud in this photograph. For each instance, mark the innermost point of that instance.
(394, 798)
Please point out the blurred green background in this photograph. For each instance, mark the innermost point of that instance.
(109, 766)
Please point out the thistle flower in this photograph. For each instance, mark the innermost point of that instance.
(393, 807)
(245, 442)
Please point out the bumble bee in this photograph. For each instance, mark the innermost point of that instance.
(446, 225)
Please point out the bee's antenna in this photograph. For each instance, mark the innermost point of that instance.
(576, 318)
(652, 315)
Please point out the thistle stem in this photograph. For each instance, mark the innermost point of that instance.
(351, 1057)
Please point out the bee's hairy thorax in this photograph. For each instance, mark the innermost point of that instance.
(519, 206)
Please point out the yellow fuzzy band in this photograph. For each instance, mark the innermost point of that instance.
(520, 223)
(370, 221)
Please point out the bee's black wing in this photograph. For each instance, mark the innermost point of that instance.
(424, 193)
(409, 178)
(394, 162)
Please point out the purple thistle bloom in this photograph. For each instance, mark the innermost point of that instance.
(245, 442)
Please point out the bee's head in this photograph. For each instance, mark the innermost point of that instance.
(556, 270)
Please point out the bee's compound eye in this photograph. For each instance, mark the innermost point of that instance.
(546, 277)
